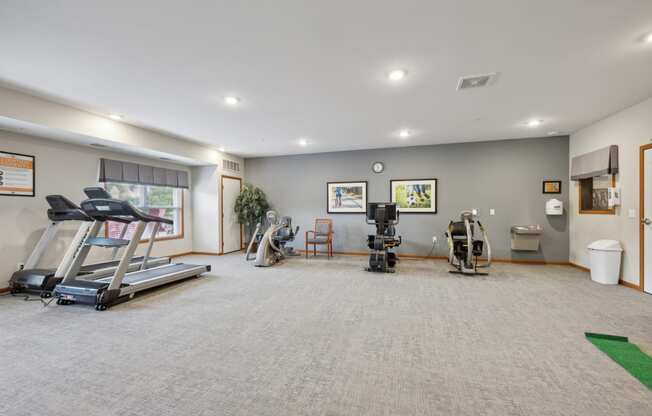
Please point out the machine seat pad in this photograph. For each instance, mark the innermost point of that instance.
(318, 239)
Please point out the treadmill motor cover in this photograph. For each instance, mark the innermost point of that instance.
(31, 278)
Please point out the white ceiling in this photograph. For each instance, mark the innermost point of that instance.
(317, 69)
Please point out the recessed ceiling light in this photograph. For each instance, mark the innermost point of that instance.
(404, 134)
(303, 142)
(116, 116)
(231, 100)
(397, 74)
(221, 149)
(534, 123)
(648, 38)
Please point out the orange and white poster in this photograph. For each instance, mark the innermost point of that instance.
(16, 174)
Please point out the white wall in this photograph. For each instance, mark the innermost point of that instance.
(629, 129)
(62, 120)
(62, 169)
(205, 202)
(207, 205)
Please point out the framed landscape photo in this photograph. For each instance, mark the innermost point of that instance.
(418, 196)
(551, 187)
(17, 174)
(346, 197)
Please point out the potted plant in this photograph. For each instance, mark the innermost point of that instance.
(250, 206)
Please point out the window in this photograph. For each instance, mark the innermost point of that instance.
(594, 195)
(161, 201)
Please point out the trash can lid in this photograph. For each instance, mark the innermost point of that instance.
(605, 245)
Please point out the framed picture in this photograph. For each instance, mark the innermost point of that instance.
(16, 174)
(418, 196)
(346, 197)
(551, 187)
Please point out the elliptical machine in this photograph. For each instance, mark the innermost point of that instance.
(464, 248)
(385, 217)
(272, 244)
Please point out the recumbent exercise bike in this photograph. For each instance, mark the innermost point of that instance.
(272, 243)
(464, 247)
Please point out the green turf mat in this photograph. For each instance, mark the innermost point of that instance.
(628, 355)
(605, 336)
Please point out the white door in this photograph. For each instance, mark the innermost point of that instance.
(231, 236)
(646, 220)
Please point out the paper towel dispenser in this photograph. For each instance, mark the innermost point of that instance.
(554, 207)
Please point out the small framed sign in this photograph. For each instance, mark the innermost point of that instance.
(551, 187)
(16, 174)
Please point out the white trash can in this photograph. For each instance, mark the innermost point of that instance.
(605, 258)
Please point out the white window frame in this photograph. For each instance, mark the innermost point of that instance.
(178, 205)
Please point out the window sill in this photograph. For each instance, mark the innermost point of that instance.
(169, 238)
(599, 212)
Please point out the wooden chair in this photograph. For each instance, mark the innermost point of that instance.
(321, 235)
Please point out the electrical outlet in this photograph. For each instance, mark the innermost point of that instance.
(475, 211)
(492, 211)
(434, 239)
(21, 266)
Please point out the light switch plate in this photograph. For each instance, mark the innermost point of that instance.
(632, 213)
(492, 211)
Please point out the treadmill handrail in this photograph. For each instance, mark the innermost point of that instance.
(103, 208)
(96, 192)
(119, 219)
(63, 209)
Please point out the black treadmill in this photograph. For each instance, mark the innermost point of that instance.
(122, 286)
(42, 281)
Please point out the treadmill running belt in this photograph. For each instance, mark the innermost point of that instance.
(135, 277)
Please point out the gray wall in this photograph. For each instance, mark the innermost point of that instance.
(505, 175)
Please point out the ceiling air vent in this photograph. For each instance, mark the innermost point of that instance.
(231, 165)
(476, 81)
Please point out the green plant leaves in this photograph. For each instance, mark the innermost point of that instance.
(251, 205)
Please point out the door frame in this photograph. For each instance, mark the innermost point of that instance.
(222, 213)
(641, 215)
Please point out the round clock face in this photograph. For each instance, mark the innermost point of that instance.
(378, 167)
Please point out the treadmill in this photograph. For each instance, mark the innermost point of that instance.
(122, 286)
(41, 281)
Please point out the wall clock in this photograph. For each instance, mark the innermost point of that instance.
(378, 167)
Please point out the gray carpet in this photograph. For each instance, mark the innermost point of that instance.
(318, 337)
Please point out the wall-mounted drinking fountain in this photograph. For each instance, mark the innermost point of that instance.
(526, 237)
